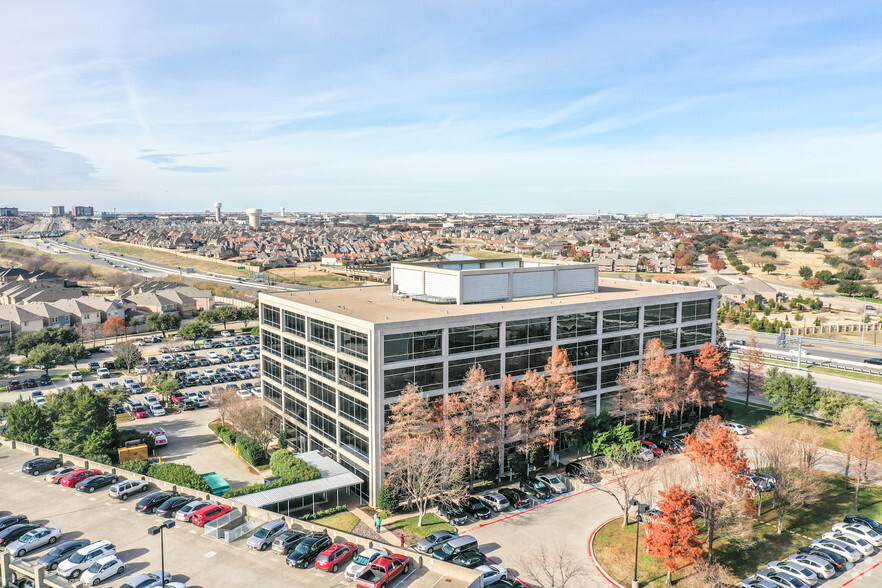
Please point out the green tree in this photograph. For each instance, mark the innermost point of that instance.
(84, 423)
(7, 368)
(247, 314)
(162, 322)
(28, 423)
(195, 330)
(207, 317)
(165, 385)
(848, 287)
(769, 267)
(742, 268)
(255, 332)
(616, 443)
(76, 352)
(825, 276)
(225, 314)
(46, 356)
(832, 402)
(805, 272)
(791, 394)
(129, 354)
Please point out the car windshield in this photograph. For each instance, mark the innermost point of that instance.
(29, 537)
(540, 484)
(261, 533)
(553, 480)
(57, 551)
(435, 537)
(95, 567)
(77, 558)
(304, 547)
(361, 560)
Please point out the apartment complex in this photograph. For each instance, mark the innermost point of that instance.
(334, 360)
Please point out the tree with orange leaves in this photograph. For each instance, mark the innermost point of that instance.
(673, 534)
(687, 378)
(863, 444)
(659, 376)
(713, 375)
(114, 326)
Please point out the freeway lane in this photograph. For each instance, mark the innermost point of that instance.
(835, 350)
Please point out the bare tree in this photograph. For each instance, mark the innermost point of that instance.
(627, 482)
(752, 365)
(226, 401)
(552, 567)
(848, 420)
(863, 444)
(254, 419)
(710, 575)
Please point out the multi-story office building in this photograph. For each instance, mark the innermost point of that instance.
(334, 360)
(83, 211)
(56, 210)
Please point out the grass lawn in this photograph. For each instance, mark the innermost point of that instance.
(765, 419)
(847, 374)
(70, 237)
(342, 521)
(431, 523)
(614, 546)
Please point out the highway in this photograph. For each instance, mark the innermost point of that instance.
(837, 351)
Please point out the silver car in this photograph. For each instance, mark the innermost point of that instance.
(186, 513)
(496, 501)
(493, 572)
(33, 540)
(557, 485)
(429, 543)
(122, 490)
(263, 537)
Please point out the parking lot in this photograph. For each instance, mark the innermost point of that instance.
(191, 558)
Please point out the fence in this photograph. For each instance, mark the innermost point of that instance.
(236, 532)
(827, 363)
(840, 328)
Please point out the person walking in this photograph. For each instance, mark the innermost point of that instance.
(402, 541)
(377, 522)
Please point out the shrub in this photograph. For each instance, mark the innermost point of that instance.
(228, 436)
(285, 464)
(139, 466)
(387, 500)
(323, 513)
(257, 488)
(179, 474)
(250, 450)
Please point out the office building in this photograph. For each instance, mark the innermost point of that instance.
(8, 211)
(56, 210)
(334, 360)
(83, 211)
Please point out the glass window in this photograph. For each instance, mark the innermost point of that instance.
(405, 346)
(295, 381)
(295, 352)
(695, 335)
(295, 324)
(608, 402)
(322, 394)
(353, 377)
(353, 441)
(353, 343)
(354, 410)
(576, 325)
(272, 343)
(322, 425)
(361, 489)
(296, 409)
(660, 314)
(457, 369)
(473, 338)
(272, 369)
(668, 337)
(617, 347)
(273, 394)
(428, 377)
(586, 379)
(321, 332)
(527, 331)
(323, 364)
(270, 315)
(696, 310)
(581, 352)
(610, 373)
(620, 319)
(517, 363)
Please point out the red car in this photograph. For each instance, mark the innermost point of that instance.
(139, 412)
(656, 450)
(77, 476)
(334, 556)
(209, 513)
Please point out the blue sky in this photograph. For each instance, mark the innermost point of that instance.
(569, 106)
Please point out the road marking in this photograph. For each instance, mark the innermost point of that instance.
(274, 559)
(210, 554)
(193, 531)
(320, 575)
(123, 508)
(93, 499)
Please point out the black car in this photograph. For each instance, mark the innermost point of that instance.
(149, 503)
(475, 508)
(516, 498)
(8, 521)
(874, 360)
(13, 532)
(864, 520)
(61, 552)
(308, 549)
(13, 385)
(581, 472)
(453, 513)
(505, 583)
(836, 560)
(100, 481)
(109, 365)
(168, 508)
(45, 380)
(38, 465)
(469, 559)
(30, 383)
(287, 541)
(536, 488)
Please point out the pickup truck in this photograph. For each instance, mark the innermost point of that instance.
(383, 571)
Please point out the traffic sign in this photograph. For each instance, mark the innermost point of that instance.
(241, 267)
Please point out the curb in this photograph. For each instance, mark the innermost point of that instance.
(594, 559)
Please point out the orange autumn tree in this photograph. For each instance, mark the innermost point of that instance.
(863, 444)
(114, 326)
(659, 375)
(564, 409)
(673, 534)
(713, 373)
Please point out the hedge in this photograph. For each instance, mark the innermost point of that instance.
(287, 465)
(257, 488)
(250, 450)
(179, 474)
(228, 436)
(323, 513)
(139, 466)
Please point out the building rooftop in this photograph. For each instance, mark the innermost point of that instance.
(377, 304)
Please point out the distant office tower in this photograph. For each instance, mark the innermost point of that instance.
(282, 213)
(56, 210)
(254, 217)
(217, 212)
(83, 211)
(8, 211)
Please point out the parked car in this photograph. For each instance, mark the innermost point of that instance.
(38, 398)
(84, 557)
(308, 549)
(75, 377)
(453, 513)
(362, 561)
(821, 567)
(149, 503)
(335, 556)
(475, 508)
(469, 559)
(103, 569)
(456, 546)
(264, 536)
(159, 436)
(782, 579)
(754, 582)
(494, 501)
(30, 383)
(655, 449)
(736, 428)
(833, 558)
(122, 490)
(93, 366)
(794, 569)
(864, 520)
(138, 411)
(103, 372)
(430, 542)
(556, 485)
(581, 472)
(55, 476)
(77, 476)
(839, 548)
(535, 488)
(13, 532)
(516, 498)
(38, 465)
(92, 483)
(383, 571)
(209, 513)
(860, 531)
(288, 540)
(151, 580)
(856, 542)
(168, 508)
(61, 552)
(34, 539)
(757, 482)
(45, 380)
(13, 385)
(156, 409)
(491, 572)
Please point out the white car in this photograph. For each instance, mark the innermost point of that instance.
(155, 409)
(128, 383)
(794, 569)
(84, 557)
(160, 438)
(98, 387)
(557, 485)
(141, 370)
(362, 561)
(244, 393)
(136, 388)
(226, 334)
(75, 377)
(821, 568)
(860, 544)
(103, 569)
(33, 540)
(738, 429)
(149, 580)
(492, 572)
(106, 348)
(839, 548)
(186, 513)
(103, 373)
(860, 531)
(494, 501)
(122, 490)
(151, 398)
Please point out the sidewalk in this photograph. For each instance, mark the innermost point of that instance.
(384, 535)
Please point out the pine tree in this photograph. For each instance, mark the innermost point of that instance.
(28, 423)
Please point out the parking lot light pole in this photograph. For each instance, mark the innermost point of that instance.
(641, 508)
(158, 531)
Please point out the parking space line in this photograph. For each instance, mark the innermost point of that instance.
(862, 573)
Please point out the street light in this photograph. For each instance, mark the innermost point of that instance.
(158, 531)
(638, 516)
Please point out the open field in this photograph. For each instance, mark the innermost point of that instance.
(312, 277)
(101, 274)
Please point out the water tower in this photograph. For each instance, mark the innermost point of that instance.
(282, 214)
(217, 212)
(254, 217)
